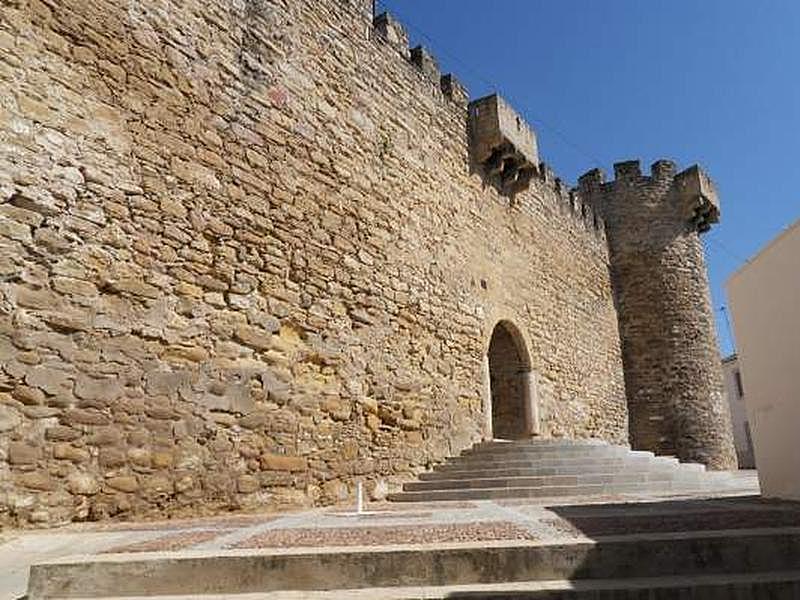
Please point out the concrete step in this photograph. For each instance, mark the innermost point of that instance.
(498, 493)
(623, 477)
(250, 572)
(565, 452)
(544, 442)
(515, 461)
(576, 469)
(759, 586)
(540, 468)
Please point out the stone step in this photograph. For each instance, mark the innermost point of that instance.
(576, 469)
(498, 493)
(254, 572)
(515, 461)
(758, 586)
(623, 477)
(540, 444)
(566, 452)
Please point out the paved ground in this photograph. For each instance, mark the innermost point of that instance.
(391, 524)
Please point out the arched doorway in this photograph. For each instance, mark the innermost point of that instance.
(510, 384)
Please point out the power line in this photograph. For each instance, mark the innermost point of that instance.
(726, 250)
(731, 342)
(380, 5)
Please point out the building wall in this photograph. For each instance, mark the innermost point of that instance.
(245, 261)
(734, 390)
(764, 296)
(673, 376)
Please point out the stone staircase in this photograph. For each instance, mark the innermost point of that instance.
(556, 468)
(717, 565)
(759, 559)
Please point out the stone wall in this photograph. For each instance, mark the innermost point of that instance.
(243, 262)
(673, 376)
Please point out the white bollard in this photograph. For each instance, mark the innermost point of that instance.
(359, 497)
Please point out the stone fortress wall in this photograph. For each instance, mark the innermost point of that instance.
(246, 258)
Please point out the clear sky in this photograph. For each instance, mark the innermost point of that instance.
(715, 82)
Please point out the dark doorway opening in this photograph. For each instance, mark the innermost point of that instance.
(508, 380)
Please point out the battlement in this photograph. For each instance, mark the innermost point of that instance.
(692, 190)
(388, 30)
(426, 62)
(502, 143)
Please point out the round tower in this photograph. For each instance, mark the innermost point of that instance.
(673, 373)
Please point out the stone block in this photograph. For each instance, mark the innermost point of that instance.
(28, 395)
(90, 388)
(247, 484)
(22, 453)
(254, 337)
(82, 484)
(35, 481)
(339, 409)
(50, 380)
(88, 416)
(141, 457)
(280, 462)
(10, 418)
(111, 457)
(66, 451)
(162, 459)
(60, 433)
(336, 490)
(127, 484)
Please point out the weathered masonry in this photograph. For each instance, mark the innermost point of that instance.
(251, 252)
(675, 389)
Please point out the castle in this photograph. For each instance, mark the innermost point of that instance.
(251, 252)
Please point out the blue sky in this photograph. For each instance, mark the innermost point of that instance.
(715, 82)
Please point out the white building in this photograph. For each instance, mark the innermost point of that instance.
(734, 389)
(764, 297)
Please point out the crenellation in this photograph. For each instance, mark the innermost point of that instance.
(454, 90)
(629, 170)
(546, 174)
(426, 62)
(574, 201)
(390, 30)
(663, 170)
(563, 192)
(590, 182)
